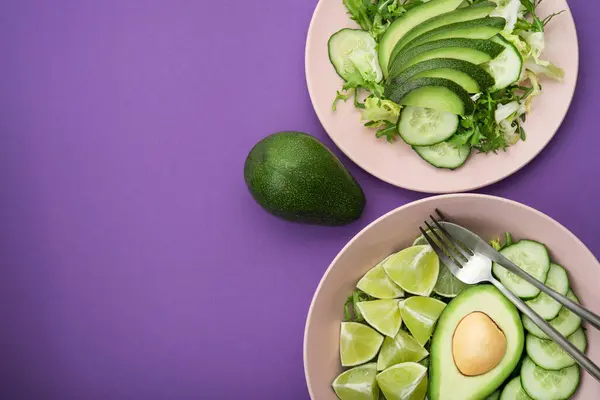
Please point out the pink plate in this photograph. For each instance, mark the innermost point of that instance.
(398, 164)
(488, 216)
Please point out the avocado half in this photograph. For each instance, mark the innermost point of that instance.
(446, 382)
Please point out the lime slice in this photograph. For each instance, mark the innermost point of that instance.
(383, 315)
(447, 284)
(358, 343)
(420, 315)
(402, 348)
(377, 284)
(414, 269)
(420, 241)
(406, 381)
(358, 383)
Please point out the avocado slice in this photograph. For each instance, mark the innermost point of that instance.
(411, 18)
(482, 28)
(437, 93)
(447, 382)
(294, 176)
(471, 77)
(474, 11)
(475, 51)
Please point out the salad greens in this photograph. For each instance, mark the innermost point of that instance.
(351, 310)
(376, 16)
(497, 122)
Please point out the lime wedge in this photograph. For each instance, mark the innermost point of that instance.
(406, 381)
(402, 348)
(420, 241)
(447, 284)
(377, 284)
(420, 315)
(358, 343)
(383, 315)
(358, 383)
(414, 269)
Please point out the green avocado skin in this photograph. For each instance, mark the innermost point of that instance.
(294, 176)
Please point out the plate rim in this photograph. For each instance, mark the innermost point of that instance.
(358, 235)
(417, 188)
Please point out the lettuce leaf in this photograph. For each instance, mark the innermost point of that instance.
(506, 116)
(382, 114)
(536, 90)
(374, 16)
(530, 45)
(510, 10)
(377, 109)
(361, 12)
(386, 12)
(533, 62)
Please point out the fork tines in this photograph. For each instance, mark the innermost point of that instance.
(449, 251)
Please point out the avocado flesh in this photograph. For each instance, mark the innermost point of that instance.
(445, 380)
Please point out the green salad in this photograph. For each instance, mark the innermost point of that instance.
(445, 76)
(411, 331)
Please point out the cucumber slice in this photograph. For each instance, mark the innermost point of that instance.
(475, 11)
(566, 323)
(437, 93)
(506, 67)
(544, 305)
(494, 396)
(425, 126)
(482, 28)
(471, 77)
(530, 256)
(541, 384)
(444, 155)
(409, 20)
(475, 51)
(514, 391)
(549, 355)
(351, 47)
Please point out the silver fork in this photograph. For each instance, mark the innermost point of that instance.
(469, 258)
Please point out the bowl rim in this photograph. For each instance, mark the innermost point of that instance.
(554, 222)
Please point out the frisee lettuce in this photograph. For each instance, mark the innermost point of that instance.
(496, 122)
(377, 109)
(360, 12)
(374, 16)
(382, 114)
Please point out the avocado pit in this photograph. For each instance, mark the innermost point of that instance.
(478, 345)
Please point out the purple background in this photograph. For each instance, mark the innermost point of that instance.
(135, 265)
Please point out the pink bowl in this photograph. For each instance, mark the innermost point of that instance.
(488, 216)
(397, 163)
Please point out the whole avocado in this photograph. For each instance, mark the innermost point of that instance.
(294, 176)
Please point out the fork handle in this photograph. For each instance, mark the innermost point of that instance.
(584, 313)
(549, 330)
